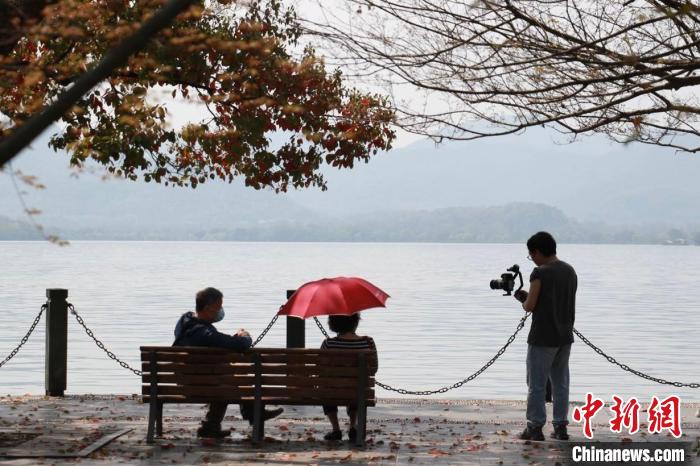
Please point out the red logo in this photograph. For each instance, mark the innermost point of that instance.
(587, 412)
(665, 414)
(626, 415)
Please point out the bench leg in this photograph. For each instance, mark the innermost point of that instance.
(361, 425)
(258, 422)
(159, 422)
(152, 419)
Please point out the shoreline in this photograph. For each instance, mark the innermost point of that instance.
(242, 241)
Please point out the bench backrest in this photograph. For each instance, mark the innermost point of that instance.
(277, 375)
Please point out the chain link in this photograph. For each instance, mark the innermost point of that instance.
(320, 326)
(625, 367)
(264, 332)
(25, 337)
(99, 343)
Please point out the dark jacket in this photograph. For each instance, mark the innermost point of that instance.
(191, 331)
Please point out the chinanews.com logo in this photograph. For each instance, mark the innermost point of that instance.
(663, 416)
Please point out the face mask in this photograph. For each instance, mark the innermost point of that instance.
(219, 315)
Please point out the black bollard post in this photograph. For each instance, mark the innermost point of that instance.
(296, 330)
(56, 342)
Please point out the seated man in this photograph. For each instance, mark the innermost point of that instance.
(197, 330)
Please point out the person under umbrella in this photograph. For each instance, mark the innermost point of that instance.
(341, 298)
(345, 328)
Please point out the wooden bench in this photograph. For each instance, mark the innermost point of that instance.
(279, 376)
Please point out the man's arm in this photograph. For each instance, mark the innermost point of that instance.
(221, 340)
(531, 301)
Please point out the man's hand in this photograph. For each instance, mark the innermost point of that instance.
(520, 295)
(242, 333)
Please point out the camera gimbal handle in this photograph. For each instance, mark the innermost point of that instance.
(520, 277)
(516, 270)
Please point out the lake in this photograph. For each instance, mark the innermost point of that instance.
(639, 303)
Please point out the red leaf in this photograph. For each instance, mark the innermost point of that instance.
(437, 452)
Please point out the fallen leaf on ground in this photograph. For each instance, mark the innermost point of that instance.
(437, 452)
(476, 447)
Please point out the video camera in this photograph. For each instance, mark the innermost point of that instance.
(507, 280)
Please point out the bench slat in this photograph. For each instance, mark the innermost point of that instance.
(237, 392)
(226, 368)
(266, 400)
(341, 359)
(208, 349)
(183, 368)
(195, 358)
(248, 380)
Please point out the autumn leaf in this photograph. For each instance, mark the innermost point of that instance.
(437, 452)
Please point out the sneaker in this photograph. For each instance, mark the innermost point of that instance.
(333, 435)
(352, 434)
(532, 433)
(213, 433)
(560, 433)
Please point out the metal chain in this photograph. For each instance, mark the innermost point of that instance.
(320, 326)
(25, 337)
(625, 367)
(264, 332)
(403, 391)
(99, 343)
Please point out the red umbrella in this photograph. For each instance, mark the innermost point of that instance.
(333, 296)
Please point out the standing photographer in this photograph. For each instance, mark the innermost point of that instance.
(551, 301)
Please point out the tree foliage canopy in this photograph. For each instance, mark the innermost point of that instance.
(628, 69)
(233, 70)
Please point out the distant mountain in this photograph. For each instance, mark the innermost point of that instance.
(510, 223)
(591, 180)
(596, 183)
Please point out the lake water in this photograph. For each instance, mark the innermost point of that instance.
(639, 303)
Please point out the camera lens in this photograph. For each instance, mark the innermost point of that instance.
(496, 284)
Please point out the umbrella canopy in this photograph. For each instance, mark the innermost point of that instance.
(333, 296)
